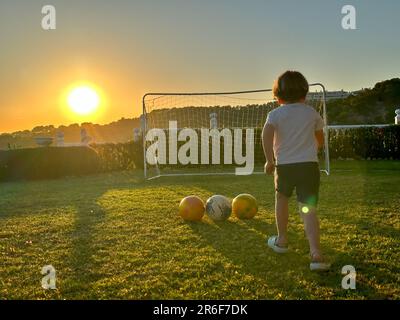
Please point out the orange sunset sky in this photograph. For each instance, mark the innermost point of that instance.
(127, 48)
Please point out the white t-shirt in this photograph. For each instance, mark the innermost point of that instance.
(294, 140)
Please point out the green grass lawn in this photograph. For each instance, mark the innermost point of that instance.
(115, 236)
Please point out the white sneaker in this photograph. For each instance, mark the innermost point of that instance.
(272, 244)
(319, 265)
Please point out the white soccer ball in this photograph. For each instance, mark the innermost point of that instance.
(218, 208)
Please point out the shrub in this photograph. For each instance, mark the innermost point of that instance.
(120, 156)
(47, 163)
(365, 143)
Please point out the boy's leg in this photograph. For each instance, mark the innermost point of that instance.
(282, 218)
(284, 187)
(311, 226)
(307, 196)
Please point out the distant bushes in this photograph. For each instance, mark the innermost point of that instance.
(57, 162)
(376, 105)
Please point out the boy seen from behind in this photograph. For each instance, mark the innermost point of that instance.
(291, 137)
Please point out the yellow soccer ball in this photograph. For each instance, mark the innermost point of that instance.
(244, 206)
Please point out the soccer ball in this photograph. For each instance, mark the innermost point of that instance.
(244, 206)
(191, 208)
(218, 208)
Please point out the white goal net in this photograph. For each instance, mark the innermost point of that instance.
(212, 133)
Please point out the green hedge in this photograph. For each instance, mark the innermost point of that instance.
(354, 143)
(54, 162)
(58, 162)
(120, 156)
(365, 143)
(47, 163)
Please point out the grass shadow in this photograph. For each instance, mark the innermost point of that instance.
(243, 243)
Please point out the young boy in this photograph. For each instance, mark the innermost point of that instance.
(292, 135)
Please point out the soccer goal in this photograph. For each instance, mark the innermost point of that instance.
(214, 133)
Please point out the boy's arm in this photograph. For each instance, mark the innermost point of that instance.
(319, 135)
(267, 142)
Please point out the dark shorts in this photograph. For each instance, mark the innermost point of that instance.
(304, 176)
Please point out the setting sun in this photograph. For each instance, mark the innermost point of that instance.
(83, 100)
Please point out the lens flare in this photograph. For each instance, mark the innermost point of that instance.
(305, 209)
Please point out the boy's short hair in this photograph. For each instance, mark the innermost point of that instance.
(291, 87)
